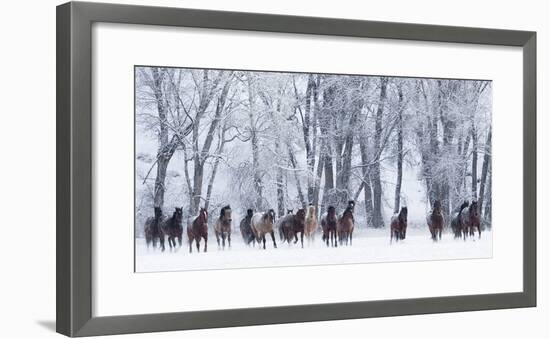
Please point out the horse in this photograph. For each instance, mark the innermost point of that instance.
(198, 229)
(436, 221)
(246, 227)
(456, 222)
(311, 223)
(329, 224)
(153, 230)
(222, 228)
(173, 227)
(346, 224)
(262, 224)
(284, 230)
(292, 224)
(471, 220)
(398, 225)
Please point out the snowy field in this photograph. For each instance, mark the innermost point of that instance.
(369, 246)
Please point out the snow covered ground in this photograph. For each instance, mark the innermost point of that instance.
(369, 246)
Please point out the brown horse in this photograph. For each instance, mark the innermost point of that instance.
(457, 221)
(173, 227)
(262, 224)
(398, 225)
(153, 230)
(285, 230)
(222, 228)
(311, 223)
(471, 221)
(246, 227)
(436, 221)
(298, 225)
(346, 224)
(329, 224)
(198, 229)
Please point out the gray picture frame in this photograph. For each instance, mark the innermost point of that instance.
(74, 168)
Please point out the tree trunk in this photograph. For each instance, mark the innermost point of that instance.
(366, 180)
(484, 170)
(474, 162)
(377, 220)
(397, 199)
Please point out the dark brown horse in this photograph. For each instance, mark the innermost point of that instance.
(456, 222)
(471, 221)
(222, 228)
(198, 229)
(153, 230)
(346, 224)
(292, 224)
(329, 224)
(246, 228)
(436, 221)
(173, 227)
(398, 225)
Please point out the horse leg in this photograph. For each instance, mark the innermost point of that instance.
(190, 245)
(205, 243)
(302, 239)
(217, 238)
(351, 238)
(179, 240)
(197, 241)
(263, 240)
(273, 238)
(161, 239)
(229, 240)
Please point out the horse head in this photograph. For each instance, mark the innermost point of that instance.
(203, 215)
(226, 213)
(178, 215)
(351, 205)
(289, 211)
(403, 214)
(474, 211)
(301, 214)
(249, 213)
(271, 215)
(437, 207)
(158, 213)
(311, 210)
(331, 211)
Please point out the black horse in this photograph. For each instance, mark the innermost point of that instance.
(173, 227)
(246, 227)
(153, 230)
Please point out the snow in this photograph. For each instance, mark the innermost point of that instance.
(369, 246)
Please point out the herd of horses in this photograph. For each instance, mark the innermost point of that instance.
(293, 227)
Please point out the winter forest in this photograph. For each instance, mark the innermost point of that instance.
(274, 140)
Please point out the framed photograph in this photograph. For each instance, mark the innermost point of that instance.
(220, 169)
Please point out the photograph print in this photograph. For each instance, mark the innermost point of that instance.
(258, 169)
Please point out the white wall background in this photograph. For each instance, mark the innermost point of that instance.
(27, 167)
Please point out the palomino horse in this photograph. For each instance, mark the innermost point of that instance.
(436, 221)
(222, 228)
(262, 224)
(329, 224)
(456, 222)
(311, 223)
(346, 224)
(173, 227)
(398, 225)
(153, 230)
(246, 227)
(198, 229)
(471, 220)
